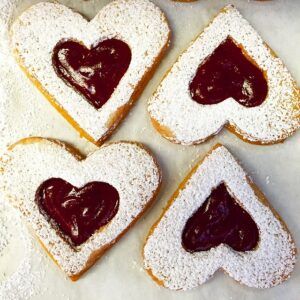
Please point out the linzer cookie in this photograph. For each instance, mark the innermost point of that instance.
(218, 219)
(79, 207)
(227, 77)
(91, 71)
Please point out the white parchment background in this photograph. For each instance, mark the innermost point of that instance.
(275, 169)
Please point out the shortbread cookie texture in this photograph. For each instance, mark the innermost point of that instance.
(218, 219)
(91, 71)
(227, 77)
(79, 207)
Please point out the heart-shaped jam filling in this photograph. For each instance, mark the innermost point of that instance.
(77, 212)
(228, 73)
(95, 72)
(220, 219)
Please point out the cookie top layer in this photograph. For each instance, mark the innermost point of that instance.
(187, 122)
(36, 32)
(165, 258)
(126, 166)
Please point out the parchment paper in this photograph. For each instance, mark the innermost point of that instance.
(275, 169)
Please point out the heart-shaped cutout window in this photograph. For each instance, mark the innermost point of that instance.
(95, 72)
(77, 213)
(220, 219)
(229, 73)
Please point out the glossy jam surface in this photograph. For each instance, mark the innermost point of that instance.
(219, 220)
(77, 212)
(95, 72)
(226, 73)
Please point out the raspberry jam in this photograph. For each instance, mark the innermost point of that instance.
(220, 219)
(95, 72)
(77, 212)
(228, 73)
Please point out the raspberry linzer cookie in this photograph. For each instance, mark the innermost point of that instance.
(91, 72)
(227, 77)
(79, 207)
(218, 219)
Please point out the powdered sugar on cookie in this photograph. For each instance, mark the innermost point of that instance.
(126, 166)
(268, 265)
(187, 122)
(139, 23)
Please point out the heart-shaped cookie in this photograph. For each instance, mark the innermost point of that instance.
(227, 77)
(79, 207)
(218, 219)
(91, 71)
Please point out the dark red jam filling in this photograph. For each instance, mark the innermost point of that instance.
(228, 73)
(219, 220)
(95, 72)
(77, 212)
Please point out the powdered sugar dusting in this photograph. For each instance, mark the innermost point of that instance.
(22, 106)
(139, 23)
(268, 265)
(126, 166)
(5, 235)
(25, 281)
(7, 8)
(190, 122)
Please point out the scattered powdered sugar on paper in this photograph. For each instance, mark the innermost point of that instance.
(24, 282)
(5, 235)
(16, 91)
(6, 11)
